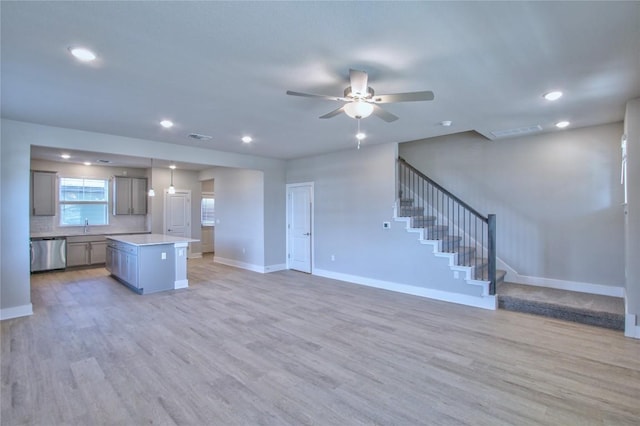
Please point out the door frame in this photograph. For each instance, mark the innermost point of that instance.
(164, 212)
(311, 212)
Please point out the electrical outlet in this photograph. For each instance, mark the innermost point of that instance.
(386, 225)
(163, 256)
(333, 257)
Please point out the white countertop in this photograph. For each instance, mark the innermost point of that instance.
(150, 239)
(76, 233)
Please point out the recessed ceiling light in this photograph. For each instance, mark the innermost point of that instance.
(172, 167)
(65, 156)
(360, 136)
(446, 123)
(82, 54)
(167, 124)
(246, 139)
(553, 96)
(87, 163)
(562, 124)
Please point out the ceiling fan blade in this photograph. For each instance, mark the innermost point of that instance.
(309, 95)
(359, 81)
(385, 115)
(403, 97)
(333, 113)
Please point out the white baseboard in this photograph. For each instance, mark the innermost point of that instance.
(194, 256)
(276, 267)
(180, 284)
(603, 290)
(242, 265)
(631, 329)
(16, 311)
(484, 302)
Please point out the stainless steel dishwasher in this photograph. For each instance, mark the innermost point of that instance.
(48, 253)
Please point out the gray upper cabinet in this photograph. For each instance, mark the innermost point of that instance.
(130, 195)
(43, 193)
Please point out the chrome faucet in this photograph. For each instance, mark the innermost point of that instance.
(86, 225)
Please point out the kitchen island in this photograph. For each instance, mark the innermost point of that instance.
(148, 263)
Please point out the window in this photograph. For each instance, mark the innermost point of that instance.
(84, 199)
(207, 209)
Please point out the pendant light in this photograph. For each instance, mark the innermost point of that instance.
(172, 189)
(152, 193)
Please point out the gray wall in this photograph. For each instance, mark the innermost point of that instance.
(354, 193)
(17, 138)
(632, 130)
(240, 224)
(14, 222)
(557, 197)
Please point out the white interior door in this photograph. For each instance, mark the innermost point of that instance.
(177, 214)
(299, 226)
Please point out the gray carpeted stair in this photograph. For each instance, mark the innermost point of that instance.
(591, 309)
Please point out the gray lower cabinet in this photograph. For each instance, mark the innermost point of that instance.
(122, 263)
(86, 250)
(144, 269)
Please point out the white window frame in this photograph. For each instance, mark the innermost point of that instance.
(207, 196)
(62, 202)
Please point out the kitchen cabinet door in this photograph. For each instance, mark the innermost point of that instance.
(77, 254)
(138, 196)
(98, 252)
(130, 196)
(43, 193)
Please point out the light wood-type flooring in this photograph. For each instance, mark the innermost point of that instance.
(287, 348)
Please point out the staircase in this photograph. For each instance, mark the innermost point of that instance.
(448, 241)
(468, 237)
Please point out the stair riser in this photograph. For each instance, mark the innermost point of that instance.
(422, 223)
(450, 243)
(411, 211)
(435, 232)
(465, 257)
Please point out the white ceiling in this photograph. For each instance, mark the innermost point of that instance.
(222, 68)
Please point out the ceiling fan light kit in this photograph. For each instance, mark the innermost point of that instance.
(360, 100)
(358, 109)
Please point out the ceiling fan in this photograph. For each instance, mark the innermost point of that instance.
(360, 101)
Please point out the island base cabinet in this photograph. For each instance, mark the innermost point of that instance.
(144, 269)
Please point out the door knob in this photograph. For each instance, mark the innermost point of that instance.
(308, 233)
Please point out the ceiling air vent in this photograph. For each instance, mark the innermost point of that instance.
(103, 161)
(520, 131)
(199, 137)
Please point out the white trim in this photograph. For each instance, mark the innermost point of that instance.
(312, 237)
(275, 268)
(238, 264)
(180, 284)
(603, 290)
(630, 327)
(16, 311)
(484, 302)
